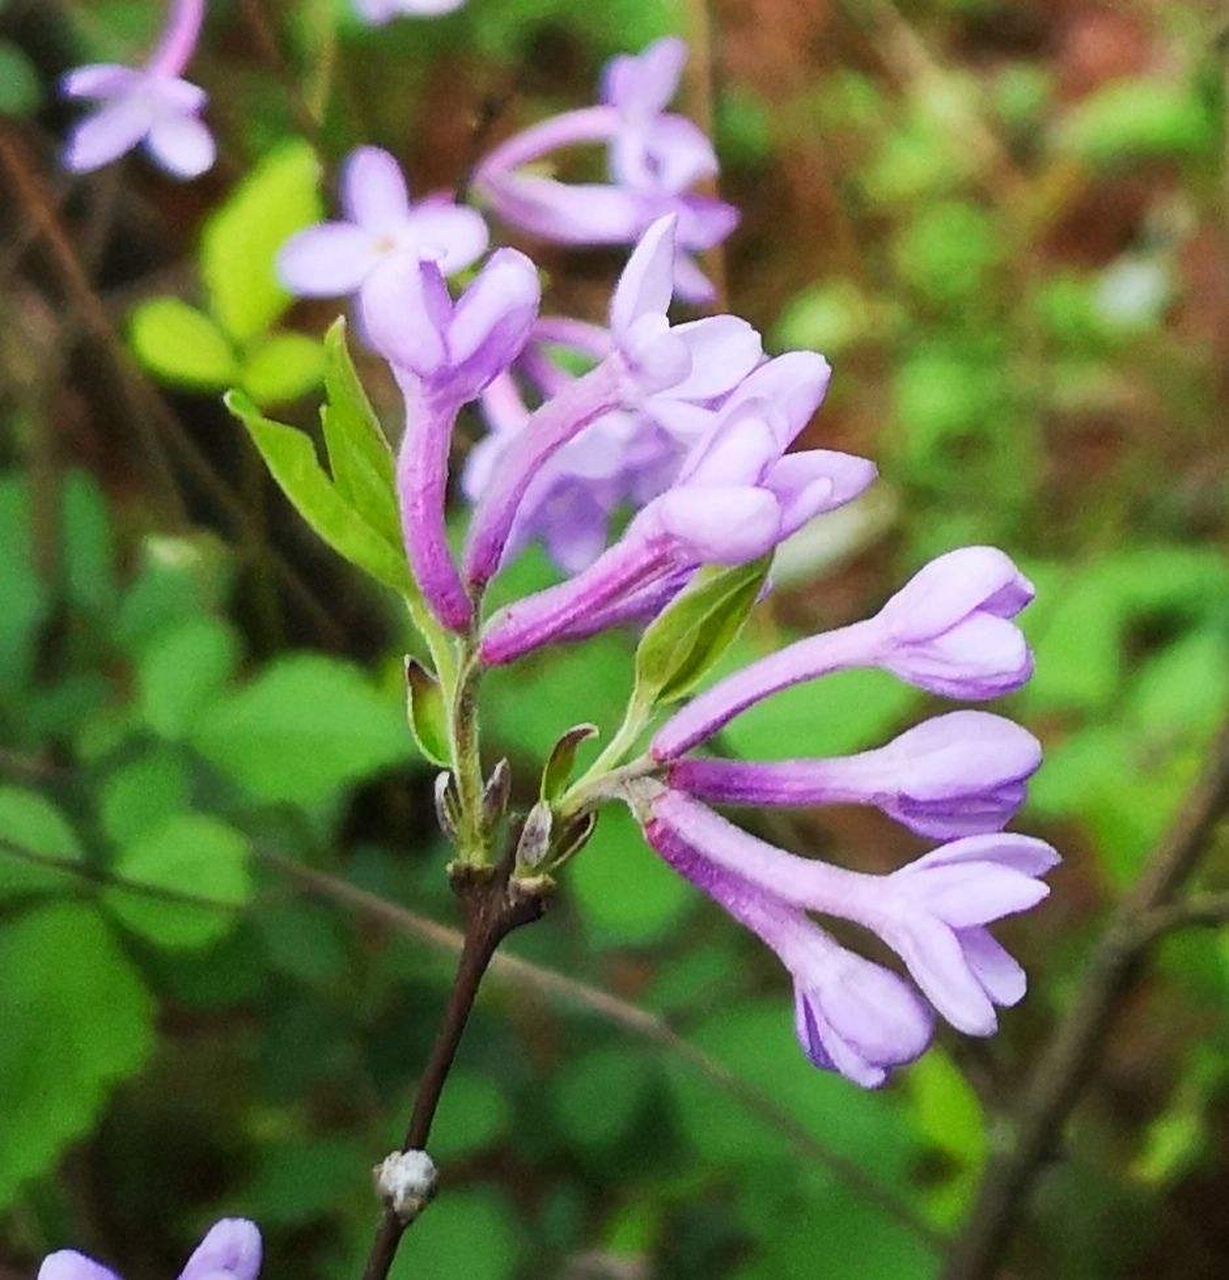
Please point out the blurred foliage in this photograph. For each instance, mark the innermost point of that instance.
(1010, 244)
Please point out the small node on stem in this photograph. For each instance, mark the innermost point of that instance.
(406, 1181)
(495, 794)
(446, 811)
(535, 836)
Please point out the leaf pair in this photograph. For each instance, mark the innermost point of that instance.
(234, 343)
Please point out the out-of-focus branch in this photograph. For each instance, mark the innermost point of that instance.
(1075, 1048)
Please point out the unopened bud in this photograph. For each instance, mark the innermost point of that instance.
(535, 836)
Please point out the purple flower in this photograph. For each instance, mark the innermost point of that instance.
(152, 104)
(735, 499)
(666, 373)
(955, 775)
(932, 913)
(379, 12)
(443, 354)
(948, 630)
(851, 1015)
(654, 157)
(335, 258)
(231, 1250)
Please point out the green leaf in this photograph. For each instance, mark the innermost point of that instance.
(88, 543)
(179, 579)
(427, 713)
(73, 1029)
(681, 645)
(25, 595)
(21, 92)
(302, 731)
(474, 1233)
(624, 894)
(182, 345)
(558, 770)
(291, 458)
(359, 456)
(282, 368)
(188, 853)
(182, 671)
(31, 822)
(141, 794)
(598, 1098)
(474, 1114)
(240, 242)
(1131, 120)
(948, 1114)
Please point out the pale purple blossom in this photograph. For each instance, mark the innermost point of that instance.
(949, 630)
(655, 158)
(960, 774)
(933, 913)
(444, 354)
(378, 12)
(736, 498)
(151, 104)
(231, 1250)
(663, 372)
(850, 1014)
(380, 223)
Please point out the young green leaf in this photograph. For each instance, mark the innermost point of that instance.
(240, 242)
(359, 456)
(179, 344)
(558, 770)
(684, 642)
(282, 368)
(427, 714)
(30, 823)
(291, 457)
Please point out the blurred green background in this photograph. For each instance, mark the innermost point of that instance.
(1005, 225)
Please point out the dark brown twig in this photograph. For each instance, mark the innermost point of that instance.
(1075, 1048)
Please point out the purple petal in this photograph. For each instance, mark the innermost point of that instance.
(876, 1012)
(1002, 978)
(405, 314)
(936, 962)
(705, 221)
(493, 317)
(794, 384)
(690, 283)
(231, 1248)
(974, 893)
(736, 452)
(963, 751)
(450, 235)
(953, 586)
(981, 657)
(647, 282)
(373, 190)
(815, 481)
(724, 350)
(1025, 854)
(182, 145)
(826, 1048)
(662, 157)
(656, 360)
(327, 260)
(567, 213)
(107, 134)
(69, 1265)
(721, 525)
(644, 84)
(179, 96)
(99, 80)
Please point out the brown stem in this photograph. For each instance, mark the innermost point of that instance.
(494, 906)
(1072, 1054)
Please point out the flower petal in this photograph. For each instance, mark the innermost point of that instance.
(451, 235)
(327, 260)
(404, 315)
(794, 384)
(642, 85)
(1026, 854)
(66, 1264)
(936, 961)
(567, 213)
(107, 134)
(1000, 974)
(647, 282)
(182, 145)
(231, 1248)
(373, 190)
(815, 481)
(724, 350)
(721, 525)
(99, 80)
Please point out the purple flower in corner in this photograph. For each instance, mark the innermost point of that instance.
(655, 158)
(381, 223)
(378, 12)
(231, 1250)
(152, 104)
